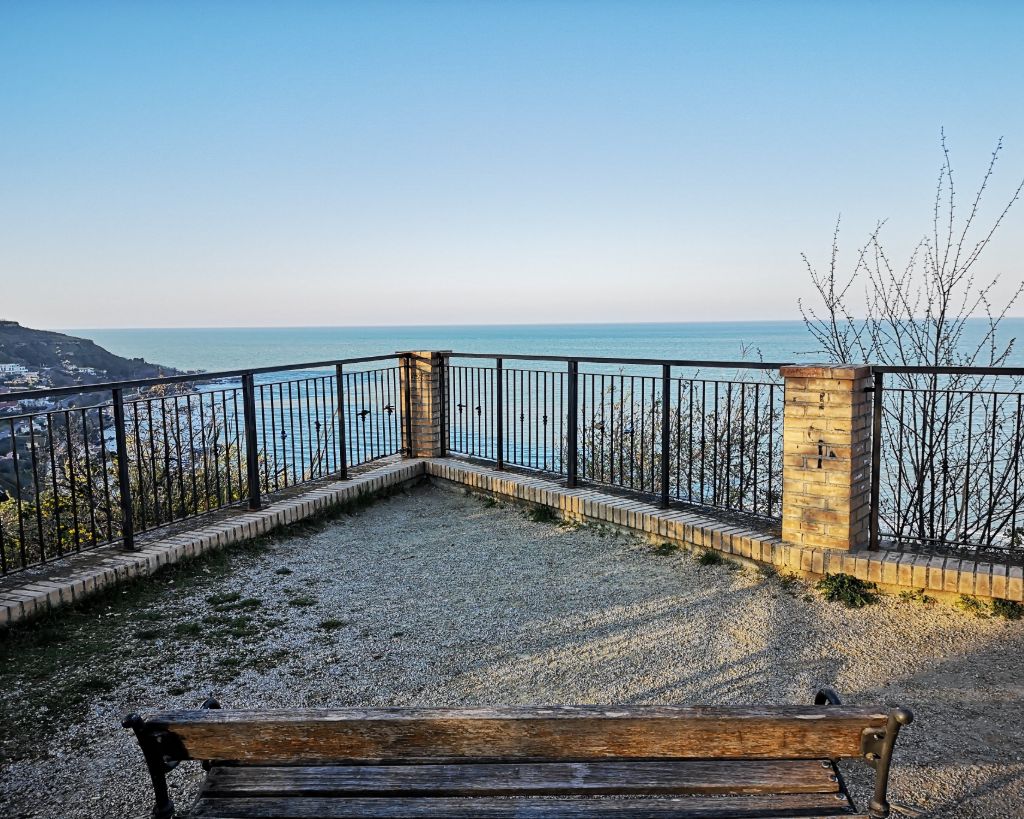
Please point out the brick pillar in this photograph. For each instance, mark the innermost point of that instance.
(826, 466)
(422, 380)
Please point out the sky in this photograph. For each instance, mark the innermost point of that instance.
(341, 163)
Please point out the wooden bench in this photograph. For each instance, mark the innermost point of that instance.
(562, 762)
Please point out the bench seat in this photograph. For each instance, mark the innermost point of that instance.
(634, 789)
(635, 762)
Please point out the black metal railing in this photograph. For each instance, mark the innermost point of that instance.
(86, 466)
(160, 451)
(646, 428)
(948, 460)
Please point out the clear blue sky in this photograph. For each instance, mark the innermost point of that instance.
(323, 163)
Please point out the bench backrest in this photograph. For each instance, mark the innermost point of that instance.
(578, 733)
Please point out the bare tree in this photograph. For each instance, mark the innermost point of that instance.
(951, 442)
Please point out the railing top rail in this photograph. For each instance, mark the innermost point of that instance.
(106, 386)
(1011, 372)
(658, 362)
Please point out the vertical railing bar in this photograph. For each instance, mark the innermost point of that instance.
(296, 466)
(263, 439)
(876, 460)
(33, 452)
(378, 417)
(625, 453)
(71, 481)
(689, 458)
(573, 376)
(306, 448)
(771, 445)
(743, 437)
(757, 446)
(339, 377)
(152, 465)
(679, 436)
(213, 449)
(168, 475)
(53, 482)
(987, 532)
(204, 448)
(1015, 498)
(654, 409)
(88, 477)
(666, 378)
(17, 488)
(252, 466)
(192, 453)
(703, 433)
(945, 466)
(967, 476)
(182, 498)
(443, 391)
(499, 410)
(124, 485)
(273, 440)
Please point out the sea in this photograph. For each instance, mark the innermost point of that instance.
(215, 349)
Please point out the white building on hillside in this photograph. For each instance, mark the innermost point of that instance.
(8, 370)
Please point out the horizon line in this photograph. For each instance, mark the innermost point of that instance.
(454, 325)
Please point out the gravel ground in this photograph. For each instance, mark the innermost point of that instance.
(438, 598)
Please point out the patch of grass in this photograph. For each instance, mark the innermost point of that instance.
(147, 634)
(95, 685)
(332, 625)
(1007, 609)
(917, 596)
(490, 502)
(223, 598)
(709, 557)
(789, 583)
(189, 629)
(284, 570)
(665, 549)
(302, 601)
(851, 591)
(542, 514)
(176, 691)
(51, 634)
(247, 604)
(973, 606)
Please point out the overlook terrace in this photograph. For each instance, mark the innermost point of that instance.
(905, 476)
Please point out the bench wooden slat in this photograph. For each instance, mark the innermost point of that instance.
(795, 805)
(637, 777)
(487, 734)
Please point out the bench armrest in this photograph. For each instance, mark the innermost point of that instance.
(877, 748)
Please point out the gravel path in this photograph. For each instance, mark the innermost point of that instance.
(438, 598)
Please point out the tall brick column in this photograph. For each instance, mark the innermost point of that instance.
(826, 467)
(422, 380)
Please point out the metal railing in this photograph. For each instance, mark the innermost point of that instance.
(163, 450)
(647, 428)
(948, 460)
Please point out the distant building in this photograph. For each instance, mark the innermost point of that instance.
(12, 370)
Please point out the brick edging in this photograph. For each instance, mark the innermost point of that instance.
(891, 570)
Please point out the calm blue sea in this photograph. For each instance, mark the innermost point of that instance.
(213, 349)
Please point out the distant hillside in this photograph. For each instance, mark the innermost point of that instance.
(59, 357)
